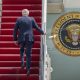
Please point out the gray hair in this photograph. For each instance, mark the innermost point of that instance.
(25, 12)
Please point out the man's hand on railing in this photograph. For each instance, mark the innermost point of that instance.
(44, 33)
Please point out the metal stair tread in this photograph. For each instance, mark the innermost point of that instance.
(12, 22)
(22, 5)
(12, 35)
(13, 29)
(17, 17)
(16, 55)
(16, 61)
(20, 11)
(13, 41)
(16, 48)
(18, 75)
(17, 68)
(9, 29)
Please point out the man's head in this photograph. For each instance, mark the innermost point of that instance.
(25, 12)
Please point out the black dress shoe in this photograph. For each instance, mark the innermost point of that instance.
(28, 72)
(22, 66)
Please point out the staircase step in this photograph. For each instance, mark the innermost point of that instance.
(20, 7)
(16, 57)
(10, 61)
(17, 51)
(18, 70)
(10, 38)
(19, 77)
(11, 44)
(21, 2)
(17, 63)
(19, 13)
(10, 32)
(11, 25)
(13, 19)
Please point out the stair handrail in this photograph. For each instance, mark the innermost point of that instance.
(45, 60)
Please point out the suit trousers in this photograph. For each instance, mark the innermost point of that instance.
(28, 50)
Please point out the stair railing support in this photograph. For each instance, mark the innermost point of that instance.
(45, 60)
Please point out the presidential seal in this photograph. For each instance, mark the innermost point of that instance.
(66, 34)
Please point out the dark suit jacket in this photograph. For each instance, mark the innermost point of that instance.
(24, 26)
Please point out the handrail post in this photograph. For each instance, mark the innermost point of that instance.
(43, 39)
(44, 18)
(45, 63)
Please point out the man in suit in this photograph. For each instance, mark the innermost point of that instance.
(24, 26)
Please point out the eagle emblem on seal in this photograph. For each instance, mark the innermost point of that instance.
(73, 32)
